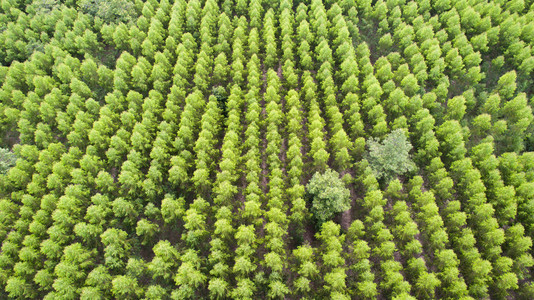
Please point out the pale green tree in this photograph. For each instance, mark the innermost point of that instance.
(391, 157)
(329, 195)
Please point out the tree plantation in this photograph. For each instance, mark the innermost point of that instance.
(266, 149)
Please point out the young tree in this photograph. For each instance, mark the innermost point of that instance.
(116, 247)
(125, 287)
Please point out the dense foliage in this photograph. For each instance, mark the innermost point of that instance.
(391, 157)
(7, 160)
(163, 149)
(109, 11)
(328, 195)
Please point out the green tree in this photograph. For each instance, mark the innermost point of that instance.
(125, 287)
(218, 288)
(163, 265)
(507, 85)
(110, 11)
(391, 157)
(7, 160)
(329, 195)
(116, 247)
(245, 289)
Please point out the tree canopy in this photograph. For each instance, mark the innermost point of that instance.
(193, 149)
(7, 160)
(110, 11)
(391, 157)
(328, 195)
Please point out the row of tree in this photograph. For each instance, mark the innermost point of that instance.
(119, 158)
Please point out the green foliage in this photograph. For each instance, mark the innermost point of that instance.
(114, 11)
(328, 194)
(391, 157)
(222, 98)
(7, 160)
(122, 113)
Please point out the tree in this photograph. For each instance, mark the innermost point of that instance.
(172, 209)
(189, 277)
(329, 195)
(426, 284)
(519, 117)
(165, 260)
(277, 290)
(7, 160)
(245, 289)
(391, 157)
(110, 11)
(218, 288)
(147, 230)
(18, 287)
(125, 287)
(154, 292)
(507, 85)
(116, 248)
